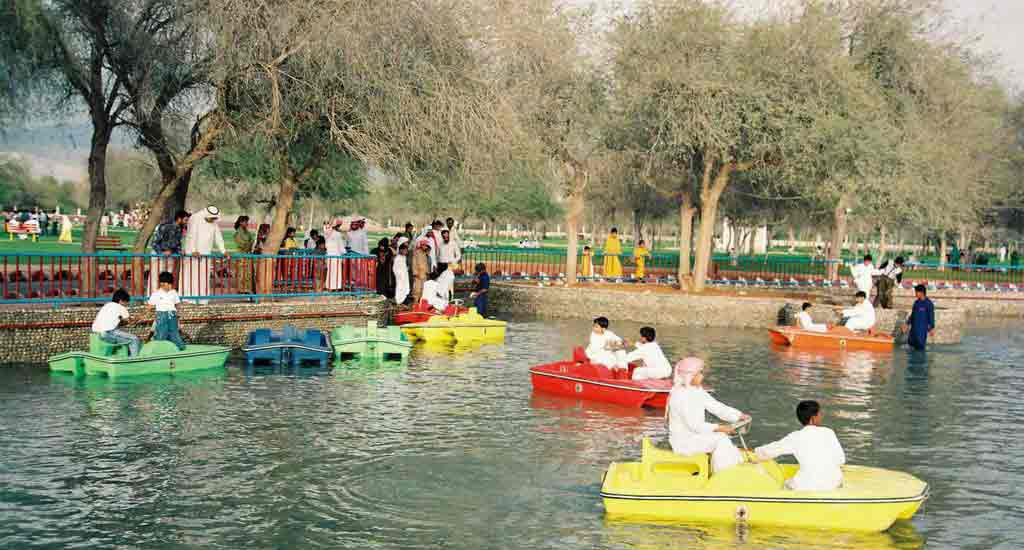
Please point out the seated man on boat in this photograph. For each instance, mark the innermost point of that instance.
(434, 295)
(109, 319)
(815, 447)
(605, 348)
(656, 365)
(689, 431)
(804, 321)
(861, 317)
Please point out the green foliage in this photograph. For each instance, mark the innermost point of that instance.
(19, 188)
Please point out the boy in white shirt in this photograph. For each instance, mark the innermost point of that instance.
(861, 317)
(816, 449)
(109, 318)
(605, 348)
(656, 365)
(165, 299)
(804, 321)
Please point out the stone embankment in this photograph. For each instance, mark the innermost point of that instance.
(33, 335)
(677, 308)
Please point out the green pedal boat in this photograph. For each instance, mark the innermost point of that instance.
(370, 342)
(156, 357)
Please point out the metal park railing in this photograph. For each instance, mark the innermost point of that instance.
(765, 270)
(69, 278)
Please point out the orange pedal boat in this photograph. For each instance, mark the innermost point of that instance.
(797, 338)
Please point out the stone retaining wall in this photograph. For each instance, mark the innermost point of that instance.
(661, 308)
(33, 335)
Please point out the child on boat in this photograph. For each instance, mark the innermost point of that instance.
(656, 365)
(815, 447)
(689, 431)
(164, 300)
(804, 321)
(605, 348)
(861, 317)
(110, 317)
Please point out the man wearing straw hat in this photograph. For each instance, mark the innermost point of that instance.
(201, 238)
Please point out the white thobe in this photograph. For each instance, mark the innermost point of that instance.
(449, 253)
(804, 322)
(598, 352)
(446, 283)
(860, 316)
(202, 237)
(862, 274)
(432, 293)
(656, 365)
(820, 456)
(401, 271)
(690, 432)
(335, 242)
(358, 242)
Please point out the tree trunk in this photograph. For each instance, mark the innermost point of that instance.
(839, 223)
(791, 235)
(686, 212)
(97, 185)
(881, 243)
(942, 251)
(572, 220)
(709, 195)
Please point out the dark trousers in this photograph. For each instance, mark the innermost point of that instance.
(883, 296)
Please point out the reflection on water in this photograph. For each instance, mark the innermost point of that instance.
(452, 449)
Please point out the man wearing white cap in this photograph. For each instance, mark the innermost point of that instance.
(201, 238)
(335, 248)
(357, 239)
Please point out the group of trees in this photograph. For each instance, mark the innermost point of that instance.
(815, 113)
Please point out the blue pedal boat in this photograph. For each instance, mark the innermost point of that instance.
(289, 345)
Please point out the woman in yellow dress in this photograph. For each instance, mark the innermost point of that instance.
(640, 255)
(612, 250)
(587, 263)
(65, 229)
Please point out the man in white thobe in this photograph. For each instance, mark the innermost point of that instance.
(358, 241)
(863, 274)
(446, 280)
(656, 365)
(335, 243)
(401, 270)
(861, 316)
(804, 321)
(815, 447)
(202, 237)
(450, 226)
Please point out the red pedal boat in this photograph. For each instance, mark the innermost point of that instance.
(791, 336)
(421, 313)
(584, 380)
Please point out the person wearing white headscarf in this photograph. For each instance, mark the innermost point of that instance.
(335, 241)
(689, 430)
(201, 238)
(401, 270)
(358, 241)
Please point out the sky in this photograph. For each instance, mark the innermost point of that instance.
(1000, 26)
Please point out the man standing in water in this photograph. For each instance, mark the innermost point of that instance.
(921, 323)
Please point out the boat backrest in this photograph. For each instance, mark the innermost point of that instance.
(579, 355)
(290, 334)
(158, 347)
(98, 346)
(313, 337)
(394, 332)
(259, 336)
(344, 332)
(666, 462)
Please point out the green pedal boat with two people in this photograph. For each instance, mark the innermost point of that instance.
(155, 357)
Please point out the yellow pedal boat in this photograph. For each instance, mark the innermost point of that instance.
(665, 485)
(465, 328)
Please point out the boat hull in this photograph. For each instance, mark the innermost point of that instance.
(194, 357)
(664, 485)
(370, 342)
(586, 381)
(462, 329)
(787, 336)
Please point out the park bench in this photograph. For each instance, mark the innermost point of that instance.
(30, 228)
(109, 243)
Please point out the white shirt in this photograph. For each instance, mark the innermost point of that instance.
(109, 317)
(432, 293)
(335, 242)
(449, 253)
(164, 300)
(653, 358)
(860, 317)
(599, 343)
(446, 280)
(202, 237)
(687, 420)
(805, 322)
(820, 456)
(862, 274)
(357, 242)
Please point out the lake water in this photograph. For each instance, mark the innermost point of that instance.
(454, 451)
